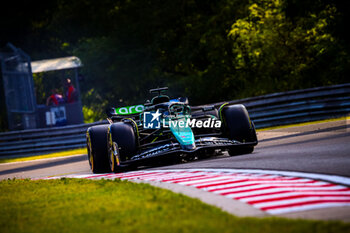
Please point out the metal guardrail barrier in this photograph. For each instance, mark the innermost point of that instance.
(40, 141)
(296, 106)
(266, 111)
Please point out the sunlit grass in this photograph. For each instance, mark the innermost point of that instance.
(78, 205)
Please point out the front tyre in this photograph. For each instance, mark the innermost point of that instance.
(121, 144)
(237, 126)
(96, 140)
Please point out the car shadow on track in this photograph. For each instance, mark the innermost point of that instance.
(45, 164)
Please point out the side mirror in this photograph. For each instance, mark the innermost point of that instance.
(208, 108)
(183, 100)
(147, 103)
(110, 112)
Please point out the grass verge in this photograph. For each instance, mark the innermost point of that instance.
(78, 205)
(45, 156)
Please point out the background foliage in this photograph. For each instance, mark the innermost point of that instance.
(207, 50)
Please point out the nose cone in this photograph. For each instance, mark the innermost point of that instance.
(189, 147)
(183, 135)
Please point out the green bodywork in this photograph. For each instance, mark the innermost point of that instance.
(129, 110)
(184, 134)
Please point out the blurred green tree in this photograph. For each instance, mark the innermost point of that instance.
(273, 53)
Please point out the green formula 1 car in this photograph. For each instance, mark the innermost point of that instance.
(166, 128)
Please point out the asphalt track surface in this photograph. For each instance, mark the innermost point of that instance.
(322, 148)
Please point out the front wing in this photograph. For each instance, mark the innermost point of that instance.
(175, 148)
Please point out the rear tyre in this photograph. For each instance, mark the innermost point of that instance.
(96, 140)
(237, 126)
(121, 145)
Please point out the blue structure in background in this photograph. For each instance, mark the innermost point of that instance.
(23, 112)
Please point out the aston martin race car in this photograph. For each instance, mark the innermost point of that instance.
(165, 128)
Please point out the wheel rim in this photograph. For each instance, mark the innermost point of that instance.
(91, 157)
(116, 153)
(111, 154)
(114, 160)
(91, 160)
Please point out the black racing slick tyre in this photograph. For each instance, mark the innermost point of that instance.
(96, 140)
(237, 126)
(122, 144)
